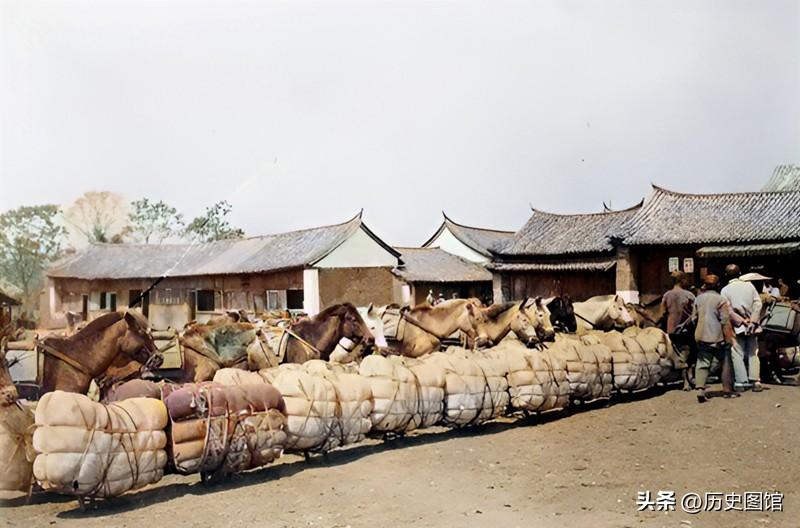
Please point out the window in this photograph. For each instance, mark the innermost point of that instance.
(294, 299)
(108, 301)
(273, 300)
(205, 300)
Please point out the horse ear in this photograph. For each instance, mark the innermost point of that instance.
(133, 324)
(538, 302)
(523, 303)
(370, 309)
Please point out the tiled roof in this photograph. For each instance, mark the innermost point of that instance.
(784, 178)
(669, 217)
(750, 250)
(563, 234)
(479, 239)
(589, 264)
(292, 250)
(437, 265)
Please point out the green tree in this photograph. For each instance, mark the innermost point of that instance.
(213, 225)
(154, 221)
(30, 239)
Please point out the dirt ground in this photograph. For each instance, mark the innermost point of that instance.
(582, 469)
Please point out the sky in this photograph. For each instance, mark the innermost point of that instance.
(302, 113)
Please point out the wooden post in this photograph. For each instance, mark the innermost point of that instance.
(627, 283)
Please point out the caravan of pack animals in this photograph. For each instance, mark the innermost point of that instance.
(202, 375)
(248, 387)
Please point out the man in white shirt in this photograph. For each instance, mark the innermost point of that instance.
(745, 305)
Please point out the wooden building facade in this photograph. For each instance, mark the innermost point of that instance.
(303, 270)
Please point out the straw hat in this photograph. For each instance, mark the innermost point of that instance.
(754, 277)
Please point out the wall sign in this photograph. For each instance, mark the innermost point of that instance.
(688, 265)
(674, 263)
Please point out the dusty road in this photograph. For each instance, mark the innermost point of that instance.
(581, 470)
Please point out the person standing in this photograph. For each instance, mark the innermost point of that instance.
(783, 288)
(713, 335)
(677, 304)
(745, 305)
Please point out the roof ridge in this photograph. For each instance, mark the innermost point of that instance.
(254, 237)
(448, 219)
(632, 208)
(711, 195)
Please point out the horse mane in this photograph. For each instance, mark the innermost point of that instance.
(94, 327)
(336, 310)
(495, 310)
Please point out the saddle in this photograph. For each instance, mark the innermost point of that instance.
(782, 318)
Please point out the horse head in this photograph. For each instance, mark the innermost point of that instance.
(524, 328)
(137, 341)
(353, 327)
(8, 392)
(618, 313)
(372, 318)
(540, 316)
(562, 313)
(473, 322)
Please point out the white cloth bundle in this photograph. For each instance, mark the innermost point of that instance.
(395, 395)
(654, 340)
(311, 407)
(235, 376)
(16, 451)
(353, 396)
(588, 365)
(537, 380)
(495, 373)
(431, 381)
(468, 394)
(90, 449)
(634, 368)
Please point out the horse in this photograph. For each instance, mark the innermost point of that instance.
(603, 312)
(420, 330)
(650, 315)
(540, 317)
(562, 313)
(500, 319)
(109, 350)
(309, 338)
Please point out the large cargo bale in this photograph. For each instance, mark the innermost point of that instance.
(311, 408)
(588, 365)
(16, 448)
(431, 380)
(537, 379)
(94, 450)
(395, 393)
(635, 368)
(224, 429)
(353, 396)
(656, 341)
(472, 396)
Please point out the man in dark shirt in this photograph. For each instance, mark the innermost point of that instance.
(714, 337)
(677, 304)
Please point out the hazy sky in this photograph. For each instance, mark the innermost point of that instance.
(301, 113)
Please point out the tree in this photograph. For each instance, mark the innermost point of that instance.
(154, 221)
(98, 216)
(213, 225)
(30, 239)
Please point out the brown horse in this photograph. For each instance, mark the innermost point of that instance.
(309, 338)
(426, 326)
(110, 349)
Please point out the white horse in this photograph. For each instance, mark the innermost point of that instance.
(604, 312)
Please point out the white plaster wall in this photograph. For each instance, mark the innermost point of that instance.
(358, 251)
(311, 291)
(447, 242)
